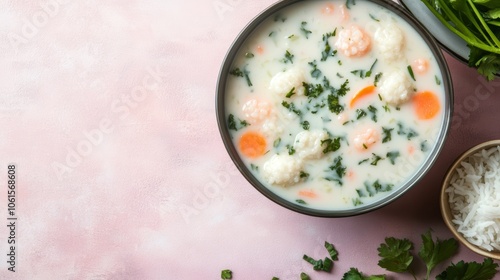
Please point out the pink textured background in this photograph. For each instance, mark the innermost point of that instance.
(152, 194)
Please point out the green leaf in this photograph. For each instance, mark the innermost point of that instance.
(395, 254)
(226, 274)
(304, 276)
(470, 271)
(433, 253)
(355, 274)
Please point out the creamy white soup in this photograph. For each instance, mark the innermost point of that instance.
(334, 104)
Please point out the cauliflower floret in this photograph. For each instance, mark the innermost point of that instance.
(353, 41)
(282, 170)
(271, 127)
(390, 42)
(307, 144)
(396, 87)
(256, 110)
(283, 82)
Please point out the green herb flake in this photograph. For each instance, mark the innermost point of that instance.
(374, 18)
(375, 159)
(334, 104)
(275, 278)
(304, 30)
(392, 156)
(332, 145)
(290, 93)
(328, 51)
(291, 108)
(360, 113)
(236, 72)
(301, 201)
(305, 125)
(304, 276)
(254, 167)
(315, 72)
(279, 17)
(234, 125)
(378, 76)
(304, 175)
(312, 90)
(373, 112)
(249, 55)
(387, 134)
(226, 274)
(291, 150)
(288, 57)
(338, 167)
(276, 143)
(438, 81)
(424, 146)
(410, 71)
(357, 202)
(386, 108)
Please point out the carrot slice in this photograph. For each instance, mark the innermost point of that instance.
(253, 144)
(362, 93)
(307, 193)
(426, 105)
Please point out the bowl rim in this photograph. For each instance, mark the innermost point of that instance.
(445, 205)
(406, 185)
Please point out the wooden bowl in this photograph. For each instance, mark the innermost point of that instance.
(445, 205)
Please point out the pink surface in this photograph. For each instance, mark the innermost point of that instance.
(107, 111)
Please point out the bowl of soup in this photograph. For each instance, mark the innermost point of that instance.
(334, 108)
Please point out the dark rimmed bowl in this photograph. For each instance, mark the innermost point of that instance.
(233, 153)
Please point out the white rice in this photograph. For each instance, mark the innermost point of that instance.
(474, 197)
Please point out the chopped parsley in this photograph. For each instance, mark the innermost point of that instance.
(339, 171)
(410, 71)
(304, 30)
(328, 51)
(360, 113)
(290, 93)
(291, 108)
(334, 104)
(365, 73)
(304, 276)
(373, 112)
(305, 125)
(300, 201)
(375, 159)
(410, 133)
(277, 142)
(438, 81)
(378, 76)
(237, 72)
(371, 189)
(423, 146)
(236, 125)
(332, 145)
(288, 57)
(291, 150)
(392, 156)
(312, 90)
(254, 167)
(374, 18)
(315, 72)
(304, 175)
(387, 134)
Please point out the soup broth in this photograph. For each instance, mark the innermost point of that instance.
(334, 105)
